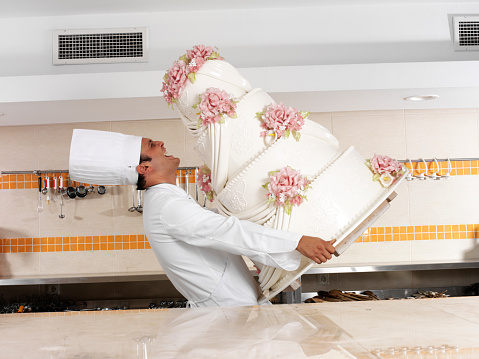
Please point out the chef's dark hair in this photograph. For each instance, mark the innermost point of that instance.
(140, 185)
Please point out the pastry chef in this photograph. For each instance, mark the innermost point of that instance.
(199, 250)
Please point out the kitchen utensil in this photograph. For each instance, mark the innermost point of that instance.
(139, 208)
(186, 181)
(448, 174)
(61, 208)
(101, 189)
(47, 188)
(91, 189)
(71, 192)
(435, 176)
(422, 176)
(40, 205)
(81, 191)
(44, 190)
(55, 188)
(62, 191)
(132, 208)
(409, 176)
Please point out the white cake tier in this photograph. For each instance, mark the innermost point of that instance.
(214, 73)
(230, 147)
(339, 200)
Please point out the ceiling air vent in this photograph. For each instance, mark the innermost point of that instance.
(466, 33)
(96, 46)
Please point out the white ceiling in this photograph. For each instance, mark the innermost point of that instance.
(42, 8)
(320, 55)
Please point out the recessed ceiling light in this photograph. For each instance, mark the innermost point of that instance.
(421, 98)
(2, 114)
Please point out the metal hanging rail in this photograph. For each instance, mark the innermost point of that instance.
(39, 172)
(35, 172)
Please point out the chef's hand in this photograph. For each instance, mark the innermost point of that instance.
(315, 248)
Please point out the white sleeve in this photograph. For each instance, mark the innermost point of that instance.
(186, 221)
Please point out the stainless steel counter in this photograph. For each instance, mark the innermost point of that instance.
(394, 267)
(318, 269)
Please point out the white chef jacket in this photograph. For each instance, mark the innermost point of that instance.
(200, 251)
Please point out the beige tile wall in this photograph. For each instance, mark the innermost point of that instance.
(400, 134)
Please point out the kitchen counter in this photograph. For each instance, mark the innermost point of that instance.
(324, 330)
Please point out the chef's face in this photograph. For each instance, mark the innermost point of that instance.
(160, 161)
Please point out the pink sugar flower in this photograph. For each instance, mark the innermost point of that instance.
(287, 188)
(200, 51)
(177, 76)
(385, 169)
(204, 52)
(184, 69)
(203, 180)
(175, 81)
(214, 104)
(279, 120)
(195, 64)
(167, 94)
(385, 164)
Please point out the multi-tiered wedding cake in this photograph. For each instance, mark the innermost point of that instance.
(269, 163)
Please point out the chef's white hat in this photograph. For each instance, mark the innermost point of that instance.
(104, 158)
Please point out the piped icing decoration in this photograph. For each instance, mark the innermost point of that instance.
(203, 179)
(385, 169)
(213, 105)
(287, 188)
(184, 69)
(279, 120)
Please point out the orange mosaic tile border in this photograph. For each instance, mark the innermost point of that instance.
(28, 181)
(418, 233)
(134, 241)
(74, 244)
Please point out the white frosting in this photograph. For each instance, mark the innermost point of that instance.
(341, 192)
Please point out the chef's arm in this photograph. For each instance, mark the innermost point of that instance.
(186, 221)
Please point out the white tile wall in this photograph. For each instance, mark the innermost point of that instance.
(381, 132)
(452, 133)
(449, 201)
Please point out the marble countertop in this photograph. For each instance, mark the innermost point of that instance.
(325, 330)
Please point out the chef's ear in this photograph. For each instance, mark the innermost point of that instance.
(143, 168)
